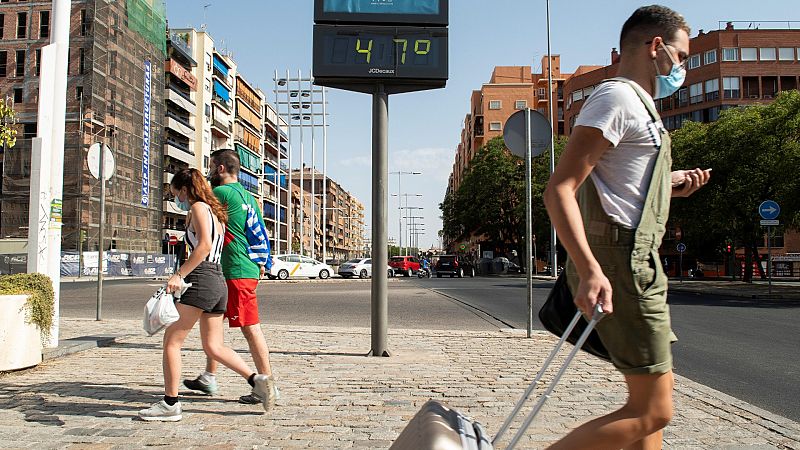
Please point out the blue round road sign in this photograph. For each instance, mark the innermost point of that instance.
(769, 210)
(681, 247)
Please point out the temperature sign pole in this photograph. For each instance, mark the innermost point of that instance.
(380, 48)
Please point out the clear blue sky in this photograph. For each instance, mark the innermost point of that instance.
(265, 35)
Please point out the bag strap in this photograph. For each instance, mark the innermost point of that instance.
(650, 108)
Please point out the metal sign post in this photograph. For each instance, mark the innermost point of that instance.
(382, 49)
(527, 134)
(528, 223)
(681, 249)
(769, 212)
(380, 217)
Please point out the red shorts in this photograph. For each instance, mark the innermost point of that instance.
(242, 302)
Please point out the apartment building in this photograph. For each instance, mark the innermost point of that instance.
(180, 129)
(727, 68)
(344, 232)
(301, 214)
(248, 137)
(276, 173)
(223, 73)
(115, 85)
(510, 89)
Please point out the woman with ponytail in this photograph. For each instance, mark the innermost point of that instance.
(205, 300)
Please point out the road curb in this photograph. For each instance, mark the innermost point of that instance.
(71, 346)
(732, 405)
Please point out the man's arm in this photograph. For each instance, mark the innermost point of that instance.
(585, 147)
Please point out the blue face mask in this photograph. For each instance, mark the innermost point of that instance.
(667, 85)
(183, 205)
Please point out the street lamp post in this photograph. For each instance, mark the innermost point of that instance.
(400, 174)
(553, 236)
(408, 211)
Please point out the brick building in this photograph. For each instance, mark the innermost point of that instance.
(726, 68)
(115, 48)
(510, 89)
(344, 217)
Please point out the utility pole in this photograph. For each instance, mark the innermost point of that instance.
(47, 161)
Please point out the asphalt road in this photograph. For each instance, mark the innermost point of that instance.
(749, 349)
(333, 302)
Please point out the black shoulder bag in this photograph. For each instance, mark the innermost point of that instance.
(558, 311)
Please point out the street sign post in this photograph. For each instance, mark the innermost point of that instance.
(769, 211)
(681, 248)
(527, 134)
(380, 48)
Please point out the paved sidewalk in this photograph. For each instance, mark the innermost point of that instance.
(335, 398)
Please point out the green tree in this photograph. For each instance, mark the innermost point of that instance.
(8, 135)
(491, 198)
(755, 154)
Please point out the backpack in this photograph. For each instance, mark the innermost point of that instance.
(258, 246)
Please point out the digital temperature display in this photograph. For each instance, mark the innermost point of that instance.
(383, 12)
(376, 53)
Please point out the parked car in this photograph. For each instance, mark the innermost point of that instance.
(406, 265)
(549, 272)
(360, 267)
(454, 265)
(298, 266)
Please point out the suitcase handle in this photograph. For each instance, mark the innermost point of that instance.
(598, 314)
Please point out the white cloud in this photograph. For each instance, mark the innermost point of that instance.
(434, 163)
(356, 161)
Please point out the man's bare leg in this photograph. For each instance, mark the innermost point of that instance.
(637, 425)
(258, 348)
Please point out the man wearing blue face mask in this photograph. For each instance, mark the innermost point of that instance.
(609, 201)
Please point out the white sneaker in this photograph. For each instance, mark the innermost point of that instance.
(265, 390)
(162, 412)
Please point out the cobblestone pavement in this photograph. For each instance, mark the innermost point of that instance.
(333, 397)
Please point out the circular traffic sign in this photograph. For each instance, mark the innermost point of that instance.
(93, 159)
(769, 210)
(514, 133)
(681, 247)
(173, 240)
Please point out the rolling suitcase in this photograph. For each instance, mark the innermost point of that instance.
(438, 427)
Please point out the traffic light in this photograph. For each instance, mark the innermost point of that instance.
(729, 248)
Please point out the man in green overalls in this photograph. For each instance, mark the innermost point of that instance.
(609, 201)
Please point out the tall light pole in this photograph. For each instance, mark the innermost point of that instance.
(324, 175)
(553, 237)
(400, 212)
(400, 174)
(300, 95)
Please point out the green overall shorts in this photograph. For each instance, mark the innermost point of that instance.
(637, 334)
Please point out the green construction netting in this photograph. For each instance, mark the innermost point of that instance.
(149, 18)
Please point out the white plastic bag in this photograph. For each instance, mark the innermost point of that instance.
(160, 312)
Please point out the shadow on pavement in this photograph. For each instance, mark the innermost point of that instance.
(29, 400)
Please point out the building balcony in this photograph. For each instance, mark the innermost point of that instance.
(181, 100)
(222, 103)
(168, 207)
(179, 151)
(219, 129)
(180, 126)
